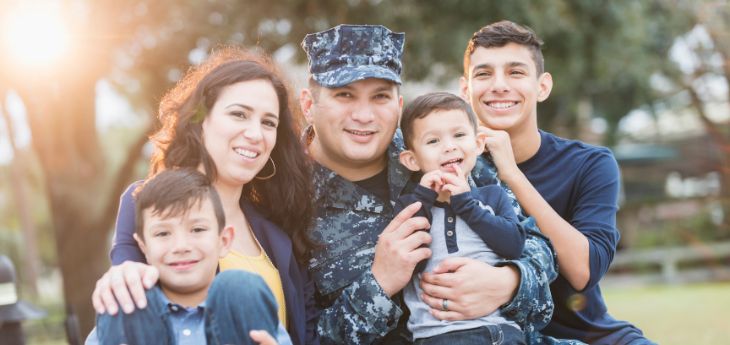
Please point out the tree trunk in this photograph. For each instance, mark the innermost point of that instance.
(714, 16)
(31, 258)
(65, 139)
(82, 198)
(723, 143)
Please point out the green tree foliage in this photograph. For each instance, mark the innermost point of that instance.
(693, 84)
(601, 53)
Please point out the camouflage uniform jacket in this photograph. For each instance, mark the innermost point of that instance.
(348, 221)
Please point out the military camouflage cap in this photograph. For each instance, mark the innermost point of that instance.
(349, 53)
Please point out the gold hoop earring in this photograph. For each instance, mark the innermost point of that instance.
(273, 165)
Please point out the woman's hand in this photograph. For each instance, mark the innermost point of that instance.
(472, 288)
(124, 285)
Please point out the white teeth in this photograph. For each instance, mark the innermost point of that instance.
(501, 105)
(453, 161)
(246, 153)
(360, 132)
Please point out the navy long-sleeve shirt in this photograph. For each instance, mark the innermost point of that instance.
(581, 183)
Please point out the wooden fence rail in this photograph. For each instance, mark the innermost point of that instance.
(672, 265)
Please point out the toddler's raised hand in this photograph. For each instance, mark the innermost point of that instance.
(455, 183)
(433, 180)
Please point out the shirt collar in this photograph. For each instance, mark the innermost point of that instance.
(174, 307)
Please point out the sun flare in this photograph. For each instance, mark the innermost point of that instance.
(35, 35)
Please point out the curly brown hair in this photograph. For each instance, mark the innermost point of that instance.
(285, 198)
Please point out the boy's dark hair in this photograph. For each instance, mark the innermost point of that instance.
(173, 192)
(429, 103)
(501, 33)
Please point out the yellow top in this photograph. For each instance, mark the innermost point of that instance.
(262, 266)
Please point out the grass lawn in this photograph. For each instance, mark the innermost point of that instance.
(669, 315)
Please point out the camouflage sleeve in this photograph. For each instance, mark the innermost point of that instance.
(362, 314)
(532, 307)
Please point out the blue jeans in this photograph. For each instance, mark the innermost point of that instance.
(237, 303)
(491, 335)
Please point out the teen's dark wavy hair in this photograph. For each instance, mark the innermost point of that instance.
(499, 34)
(285, 198)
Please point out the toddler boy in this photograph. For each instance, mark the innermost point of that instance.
(440, 133)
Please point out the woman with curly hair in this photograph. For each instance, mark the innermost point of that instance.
(231, 118)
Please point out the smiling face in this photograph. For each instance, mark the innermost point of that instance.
(503, 87)
(353, 125)
(185, 248)
(442, 139)
(240, 130)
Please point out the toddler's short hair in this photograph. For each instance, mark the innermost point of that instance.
(429, 103)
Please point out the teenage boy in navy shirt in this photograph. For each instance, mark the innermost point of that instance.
(569, 187)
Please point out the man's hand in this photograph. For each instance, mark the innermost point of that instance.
(473, 288)
(498, 144)
(127, 282)
(399, 249)
(262, 337)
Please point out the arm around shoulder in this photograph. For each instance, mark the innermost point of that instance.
(124, 247)
(311, 312)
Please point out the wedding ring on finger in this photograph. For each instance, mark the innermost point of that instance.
(445, 305)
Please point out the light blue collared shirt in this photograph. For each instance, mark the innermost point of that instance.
(188, 325)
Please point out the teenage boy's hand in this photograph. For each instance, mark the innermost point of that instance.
(399, 249)
(499, 145)
(124, 285)
(455, 183)
(473, 288)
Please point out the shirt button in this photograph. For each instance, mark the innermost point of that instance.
(186, 332)
(450, 219)
(450, 233)
(173, 308)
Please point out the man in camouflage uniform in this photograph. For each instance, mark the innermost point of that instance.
(368, 253)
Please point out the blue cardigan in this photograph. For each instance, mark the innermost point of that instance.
(301, 313)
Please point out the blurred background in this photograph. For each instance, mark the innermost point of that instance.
(80, 81)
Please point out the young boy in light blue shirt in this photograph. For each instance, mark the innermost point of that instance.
(181, 230)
